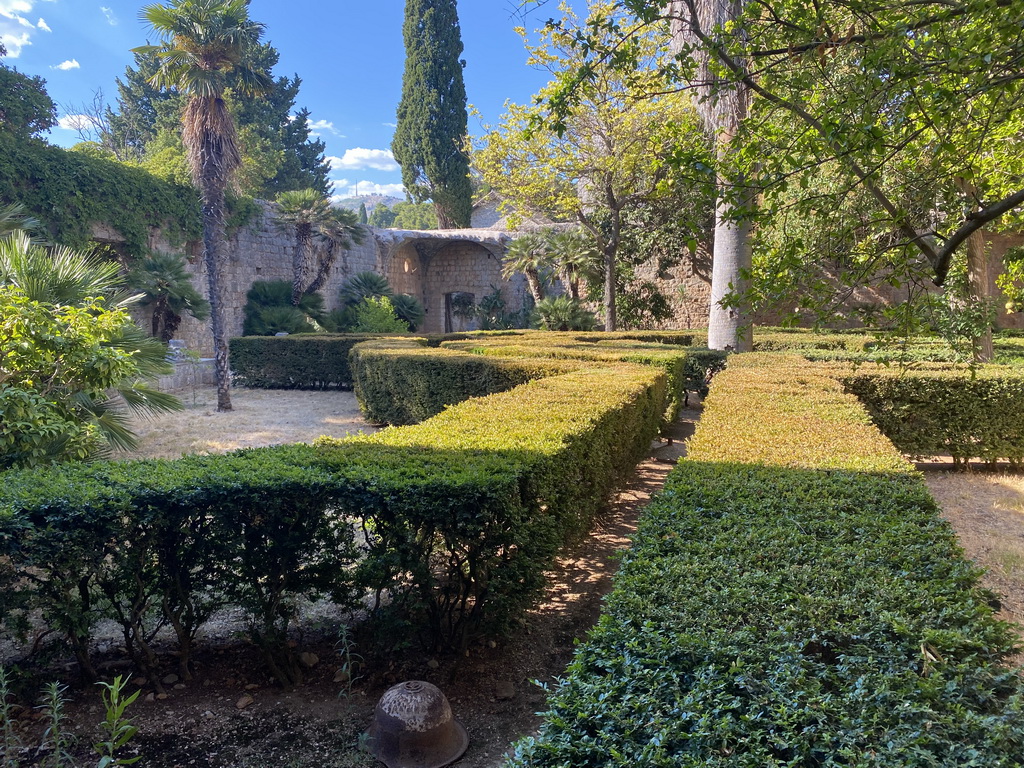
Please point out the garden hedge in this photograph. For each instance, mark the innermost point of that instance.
(302, 361)
(459, 517)
(928, 412)
(792, 598)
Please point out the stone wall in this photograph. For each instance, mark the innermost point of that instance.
(427, 265)
(688, 291)
(433, 265)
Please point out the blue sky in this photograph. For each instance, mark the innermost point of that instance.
(349, 55)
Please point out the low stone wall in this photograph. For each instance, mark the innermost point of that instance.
(188, 375)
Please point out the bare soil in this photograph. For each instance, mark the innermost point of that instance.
(259, 417)
(986, 509)
(491, 688)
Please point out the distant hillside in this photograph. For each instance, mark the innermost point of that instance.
(372, 201)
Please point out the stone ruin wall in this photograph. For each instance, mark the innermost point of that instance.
(434, 266)
(689, 292)
(426, 268)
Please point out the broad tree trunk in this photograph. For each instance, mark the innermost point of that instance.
(729, 327)
(722, 106)
(978, 278)
(212, 191)
(444, 219)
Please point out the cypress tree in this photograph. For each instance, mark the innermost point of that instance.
(362, 213)
(432, 119)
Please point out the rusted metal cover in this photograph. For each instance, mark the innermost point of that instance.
(413, 727)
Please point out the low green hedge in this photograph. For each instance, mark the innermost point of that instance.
(302, 361)
(792, 598)
(688, 369)
(459, 518)
(401, 381)
(928, 412)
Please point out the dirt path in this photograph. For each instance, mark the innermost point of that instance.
(987, 511)
(260, 417)
(491, 689)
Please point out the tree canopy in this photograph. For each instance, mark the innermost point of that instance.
(432, 121)
(614, 149)
(912, 109)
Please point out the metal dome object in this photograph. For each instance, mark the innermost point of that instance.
(413, 727)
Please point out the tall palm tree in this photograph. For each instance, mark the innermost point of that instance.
(201, 42)
(309, 214)
(60, 277)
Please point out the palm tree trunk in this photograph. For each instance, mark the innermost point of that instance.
(299, 261)
(533, 280)
(212, 191)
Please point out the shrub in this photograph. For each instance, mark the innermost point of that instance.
(792, 598)
(560, 313)
(269, 310)
(462, 514)
(317, 361)
(928, 412)
(377, 316)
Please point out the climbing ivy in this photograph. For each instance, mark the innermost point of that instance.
(72, 191)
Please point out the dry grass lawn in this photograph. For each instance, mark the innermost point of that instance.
(260, 417)
(987, 511)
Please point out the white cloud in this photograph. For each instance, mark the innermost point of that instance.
(14, 23)
(42, 25)
(64, 66)
(317, 127)
(109, 14)
(343, 189)
(13, 43)
(358, 159)
(390, 125)
(73, 122)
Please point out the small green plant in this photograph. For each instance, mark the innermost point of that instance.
(11, 741)
(560, 313)
(117, 728)
(350, 661)
(377, 315)
(56, 742)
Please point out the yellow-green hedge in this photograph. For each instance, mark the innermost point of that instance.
(792, 598)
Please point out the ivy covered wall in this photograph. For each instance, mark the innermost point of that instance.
(73, 192)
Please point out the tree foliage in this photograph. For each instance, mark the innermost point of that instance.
(73, 360)
(26, 110)
(613, 150)
(906, 116)
(432, 118)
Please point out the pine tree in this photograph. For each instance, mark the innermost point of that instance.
(432, 119)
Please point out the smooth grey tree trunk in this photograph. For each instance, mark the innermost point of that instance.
(729, 327)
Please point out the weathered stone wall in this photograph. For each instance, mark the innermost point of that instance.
(689, 293)
(427, 265)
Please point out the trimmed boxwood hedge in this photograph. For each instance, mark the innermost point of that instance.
(460, 516)
(928, 412)
(792, 598)
(302, 361)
